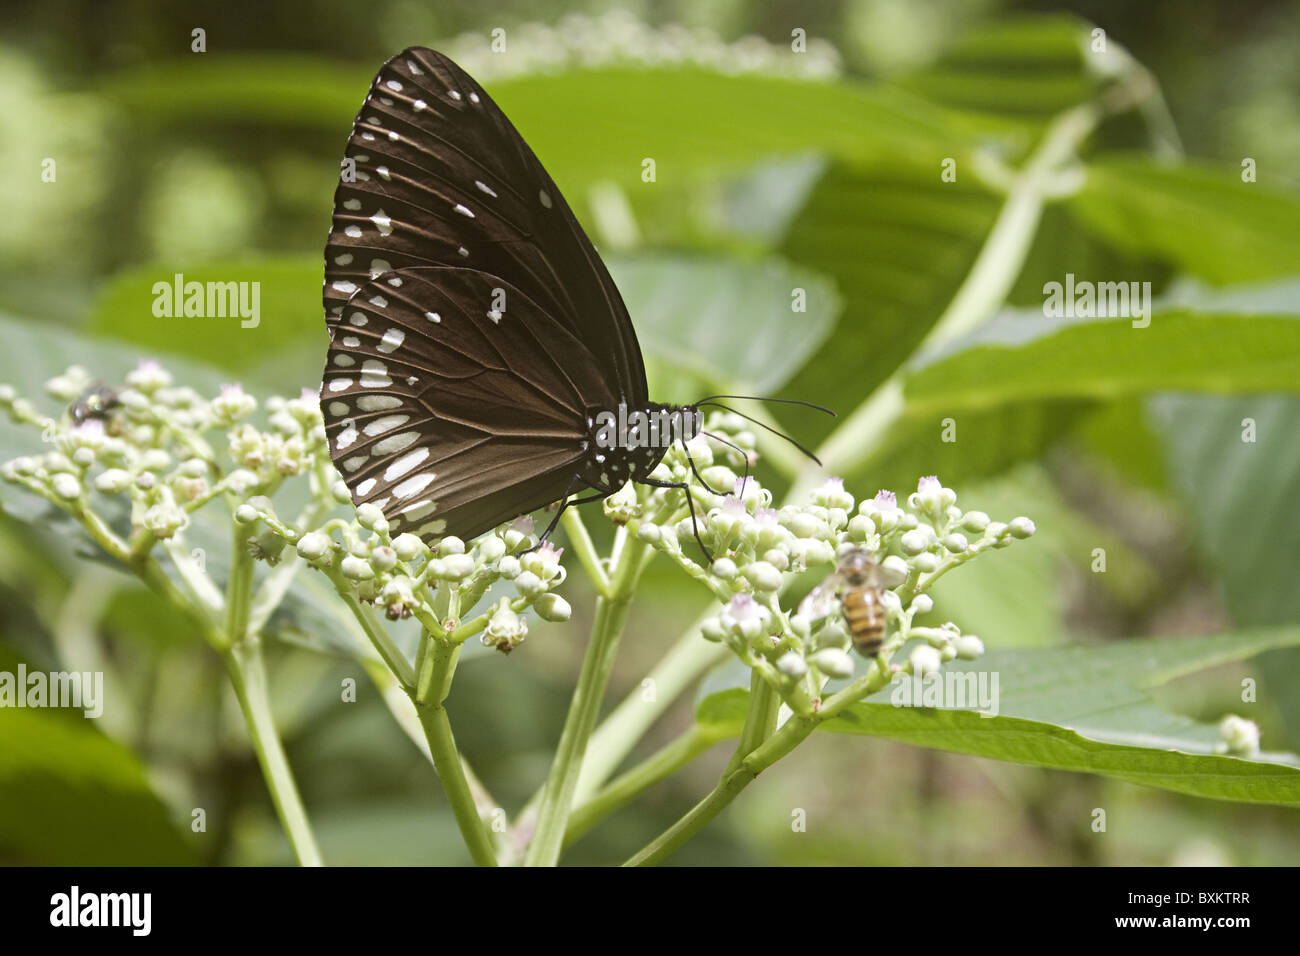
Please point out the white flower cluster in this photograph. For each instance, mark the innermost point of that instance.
(619, 38)
(756, 549)
(153, 442)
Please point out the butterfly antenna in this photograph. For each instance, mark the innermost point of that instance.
(695, 471)
(779, 401)
(769, 428)
(743, 454)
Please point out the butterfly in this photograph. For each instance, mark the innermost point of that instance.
(478, 346)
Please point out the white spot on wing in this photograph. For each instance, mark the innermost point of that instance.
(383, 223)
(374, 374)
(395, 443)
(344, 286)
(433, 316)
(484, 187)
(392, 339)
(545, 198)
(463, 210)
(378, 403)
(346, 437)
(366, 487)
(404, 464)
(385, 424)
(413, 485)
(340, 384)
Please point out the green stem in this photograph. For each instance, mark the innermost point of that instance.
(248, 675)
(627, 723)
(446, 758)
(663, 763)
(580, 541)
(760, 719)
(239, 589)
(737, 778)
(607, 628)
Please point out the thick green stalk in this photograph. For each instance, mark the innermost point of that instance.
(760, 719)
(606, 630)
(430, 705)
(248, 676)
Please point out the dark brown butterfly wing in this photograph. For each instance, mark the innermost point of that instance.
(473, 325)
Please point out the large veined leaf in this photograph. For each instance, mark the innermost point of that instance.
(732, 324)
(898, 242)
(1200, 218)
(1087, 709)
(1025, 355)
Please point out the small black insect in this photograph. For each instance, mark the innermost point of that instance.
(99, 402)
(478, 346)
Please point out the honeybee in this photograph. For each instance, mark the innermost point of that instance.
(858, 582)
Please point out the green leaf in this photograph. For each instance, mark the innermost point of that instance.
(731, 324)
(574, 120)
(898, 243)
(1021, 356)
(1090, 709)
(289, 311)
(1086, 709)
(1017, 71)
(1200, 218)
(69, 796)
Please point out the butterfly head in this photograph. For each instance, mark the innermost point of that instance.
(626, 444)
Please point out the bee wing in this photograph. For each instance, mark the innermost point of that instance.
(820, 601)
(884, 577)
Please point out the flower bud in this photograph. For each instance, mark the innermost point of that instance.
(506, 630)
(651, 534)
(357, 569)
(763, 576)
(896, 564)
(155, 459)
(712, 630)
(968, 647)
(1021, 527)
(368, 515)
(925, 563)
(165, 519)
(383, 558)
(246, 514)
(725, 568)
(925, 660)
(491, 549)
(832, 662)
(232, 405)
(975, 521)
(922, 604)
(457, 566)
(114, 481)
(914, 542)
(314, 545)
(791, 665)
(956, 543)
(66, 486)
(552, 607)
(1240, 736)
(339, 491)
(408, 547)
(529, 584)
(508, 567)
(519, 534)
(622, 506)
(777, 558)
(450, 545)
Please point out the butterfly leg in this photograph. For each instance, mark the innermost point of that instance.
(695, 471)
(690, 503)
(567, 503)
